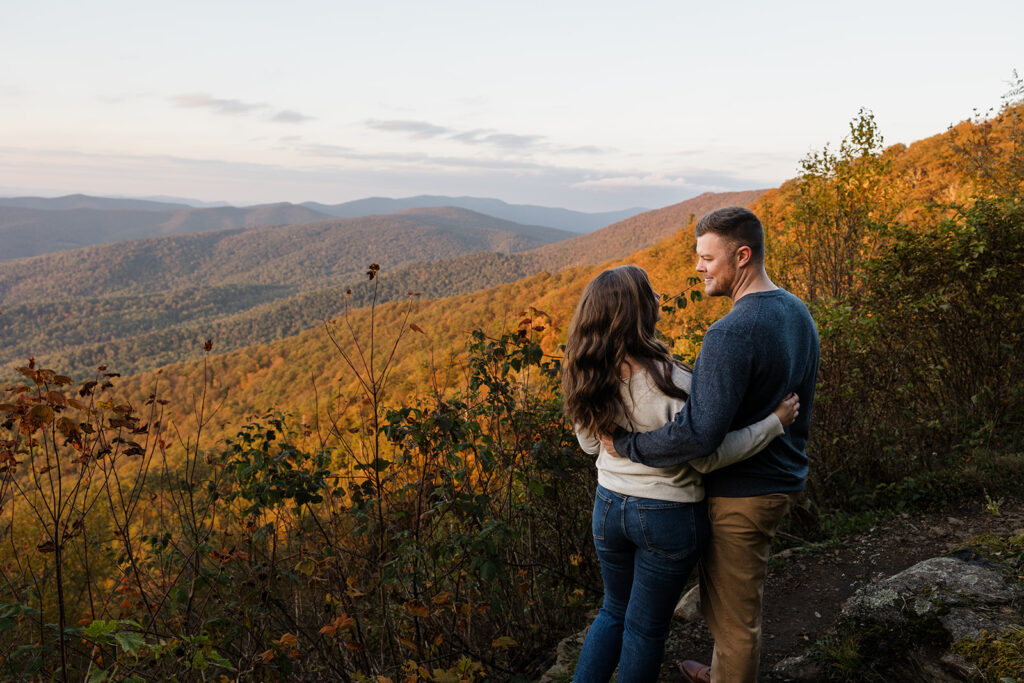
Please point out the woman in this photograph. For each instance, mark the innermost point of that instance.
(649, 524)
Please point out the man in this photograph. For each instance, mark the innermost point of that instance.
(764, 348)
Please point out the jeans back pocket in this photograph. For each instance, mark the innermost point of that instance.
(669, 529)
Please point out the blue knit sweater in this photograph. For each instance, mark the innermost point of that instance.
(766, 347)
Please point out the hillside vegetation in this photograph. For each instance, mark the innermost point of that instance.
(397, 496)
(142, 304)
(921, 174)
(26, 230)
(147, 301)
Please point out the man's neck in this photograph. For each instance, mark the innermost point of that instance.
(751, 283)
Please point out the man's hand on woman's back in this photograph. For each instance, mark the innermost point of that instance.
(788, 410)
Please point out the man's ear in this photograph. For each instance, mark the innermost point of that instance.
(743, 254)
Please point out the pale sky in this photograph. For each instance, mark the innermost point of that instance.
(590, 105)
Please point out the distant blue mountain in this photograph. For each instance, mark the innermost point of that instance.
(187, 201)
(525, 214)
(563, 219)
(83, 201)
(30, 226)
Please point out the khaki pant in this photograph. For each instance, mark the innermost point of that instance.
(732, 573)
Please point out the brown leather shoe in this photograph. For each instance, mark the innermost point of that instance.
(695, 672)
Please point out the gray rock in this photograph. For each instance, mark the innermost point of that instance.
(936, 587)
(566, 655)
(969, 622)
(960, 667)
(905, 622)
(688, 607)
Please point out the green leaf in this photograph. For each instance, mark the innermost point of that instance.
(130, 642)
(218, 659)
(97, 676)
(99, 627)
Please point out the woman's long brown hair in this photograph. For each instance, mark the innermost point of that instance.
(615, 319)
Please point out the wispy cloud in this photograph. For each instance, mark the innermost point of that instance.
(320, 150)
(221, 106)
(423, 130)
(632, 182)
(396, 159)
(504, 140)
(418, 130)
(481, 137)
(288, 116)
(230, 107)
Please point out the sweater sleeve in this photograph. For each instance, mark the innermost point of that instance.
(740, 444)
(589, 444)
(720, 379)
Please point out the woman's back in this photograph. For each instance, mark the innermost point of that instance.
(649, 409)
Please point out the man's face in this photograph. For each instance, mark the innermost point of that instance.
(716, 262)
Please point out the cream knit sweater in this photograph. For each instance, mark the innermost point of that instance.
(652, 409)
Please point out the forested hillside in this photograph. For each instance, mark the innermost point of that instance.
(26, 230)
(142, 304)
(899, 185)
(397, 494)
(146, 301)
(298, 255)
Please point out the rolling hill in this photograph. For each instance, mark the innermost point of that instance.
(302, 373)
(565, 219)
(143, 298)
(30, 226)
(916, 181)
(84, 201)
(302, 256)
(137, 305)
(26, 231)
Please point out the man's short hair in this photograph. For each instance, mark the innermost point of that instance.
(738, 225)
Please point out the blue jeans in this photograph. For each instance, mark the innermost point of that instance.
(647, 550)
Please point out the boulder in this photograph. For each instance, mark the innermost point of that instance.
(902, 628)
(964, 594)
(688, 607)
(566, 655)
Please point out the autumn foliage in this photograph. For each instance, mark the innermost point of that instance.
(397, 496)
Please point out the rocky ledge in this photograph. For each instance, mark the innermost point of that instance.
(953, 618)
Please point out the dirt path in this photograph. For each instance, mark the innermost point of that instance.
(807, 588)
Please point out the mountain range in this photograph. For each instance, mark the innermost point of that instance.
(302, 256)
(28, 230)
(302, 372)
(565, 219)
(30, 226)
(140, 303)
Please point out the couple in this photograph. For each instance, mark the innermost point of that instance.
(690, 466)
